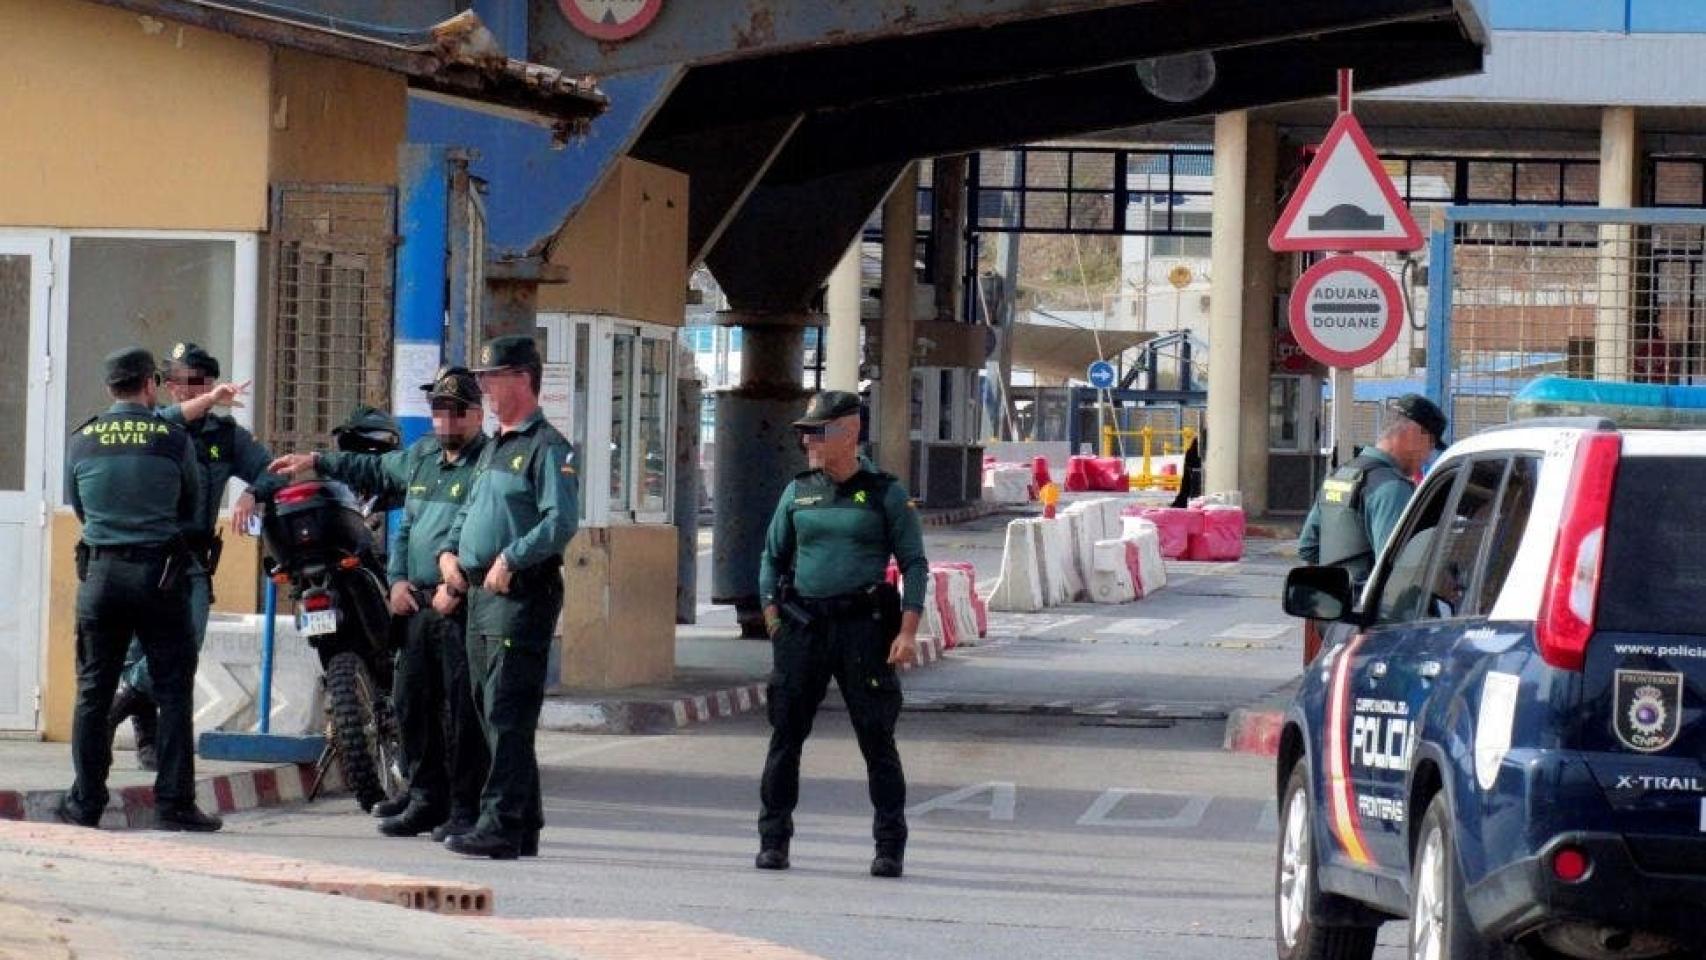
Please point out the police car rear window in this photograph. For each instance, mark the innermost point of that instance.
(1655, 567)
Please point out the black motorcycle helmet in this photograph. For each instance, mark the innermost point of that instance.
(367, 430)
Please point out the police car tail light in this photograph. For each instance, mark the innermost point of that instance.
(1572, 587)
(296, 493)
(1571, 864)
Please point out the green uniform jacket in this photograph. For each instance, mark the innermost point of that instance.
(1382, 506)
(433, 489)
(523, 503)
(132, 478)
(224, 450)
(836, 538)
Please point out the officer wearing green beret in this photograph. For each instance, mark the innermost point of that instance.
(503, 557)
(224, 449)
(831, 613)
(133, 480)
(443, 745)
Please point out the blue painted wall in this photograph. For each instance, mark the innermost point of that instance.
(1606, 16)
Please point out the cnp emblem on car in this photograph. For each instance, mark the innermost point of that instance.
(1648, 709)
(610, 19)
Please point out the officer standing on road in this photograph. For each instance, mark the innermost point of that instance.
(831, 613)
(133, 481)
(223, 450)
(1358, 507)
(444, 747)
(503, 556)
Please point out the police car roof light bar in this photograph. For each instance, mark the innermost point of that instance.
(1572, 586)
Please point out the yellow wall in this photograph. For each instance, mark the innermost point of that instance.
(334, 121)
(626, 248)
(115, 120)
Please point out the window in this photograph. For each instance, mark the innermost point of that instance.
(1284, 403)
(1402, 592)
(945, 405)
(651, 428)
(1656, 525)
(1514, 504)
(155, 292)
(1088, 190)
(1461, 541)
(621, 420)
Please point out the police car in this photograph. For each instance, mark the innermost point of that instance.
(1504, 737)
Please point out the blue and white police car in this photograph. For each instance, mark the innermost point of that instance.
(1504, 737)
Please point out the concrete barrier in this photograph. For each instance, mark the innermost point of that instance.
(1061, 583)
(1111, 577)
(1150, 568)
(1020, 588)
(228, 677)
(1007, 483)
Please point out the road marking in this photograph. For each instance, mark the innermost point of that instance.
(1003, 801)
(1065, 622)
(1190, 813)
(1255, 631)
(1137, 627)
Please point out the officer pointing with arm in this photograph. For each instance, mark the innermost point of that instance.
(133, 481)
(1358, 507)
(831, 613)
(503, 557)
(443, 745)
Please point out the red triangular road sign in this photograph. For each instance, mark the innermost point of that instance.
(1346, 201)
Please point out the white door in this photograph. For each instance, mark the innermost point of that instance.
(25, 275)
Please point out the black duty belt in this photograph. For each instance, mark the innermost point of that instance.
(136, 553)
(844, 606)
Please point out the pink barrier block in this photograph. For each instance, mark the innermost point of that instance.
(1222, 536)
(1176, 527)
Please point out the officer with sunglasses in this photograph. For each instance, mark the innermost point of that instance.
(831, 612)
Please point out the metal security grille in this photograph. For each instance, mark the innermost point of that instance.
(1600, 294)
(329, 308)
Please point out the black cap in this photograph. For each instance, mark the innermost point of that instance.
(131, 363)
(190, 355)
(1421, 410)
(502, 353)
(829, 405)
(454, 383)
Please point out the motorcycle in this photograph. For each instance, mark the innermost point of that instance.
(317, 543)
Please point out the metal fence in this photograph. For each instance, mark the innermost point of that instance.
(329, 308)
(1521, 292)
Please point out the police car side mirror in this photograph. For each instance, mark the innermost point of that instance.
(1319, 593)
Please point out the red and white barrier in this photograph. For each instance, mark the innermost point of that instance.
(1007, 483)
(1222, 536)
(1143, 553)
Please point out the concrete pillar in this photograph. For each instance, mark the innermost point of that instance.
(841, 335)
(900, 240)
(1260, 202)
(1619, 161)
(757, 453)
(1226, 302)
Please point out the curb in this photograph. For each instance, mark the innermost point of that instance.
(1254, 731)
(619, 716)
(133, 807)
(950, 516)
(447, 897)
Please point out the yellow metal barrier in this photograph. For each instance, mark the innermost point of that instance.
(1147, 478)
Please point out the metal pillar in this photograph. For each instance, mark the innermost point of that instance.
(1619, 156)
(900, 241)
(1226, 306)
(757, 453)
(948, 219)
(424, 215)
(687, 405)
(841, 336)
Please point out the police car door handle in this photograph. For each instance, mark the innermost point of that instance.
(1429, 669)
(1377, 669)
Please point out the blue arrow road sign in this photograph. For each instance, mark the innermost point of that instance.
(1101, 375)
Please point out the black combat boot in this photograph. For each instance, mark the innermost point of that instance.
(887, 862)
(416, 819)
(772, 855)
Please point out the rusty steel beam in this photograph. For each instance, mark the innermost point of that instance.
(840, 77)
(457, 57)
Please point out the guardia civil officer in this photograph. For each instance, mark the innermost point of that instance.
(443, 746)
(1358, 507)
(503, 558)
(224, 449)
(831, 613)
(133, 480)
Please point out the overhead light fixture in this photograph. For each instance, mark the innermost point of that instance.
(1179, 78)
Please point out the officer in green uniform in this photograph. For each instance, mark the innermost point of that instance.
(133, 480)
(1359, 505)
(443, 746)
(831, 613)
(503, 557)
(224, 450)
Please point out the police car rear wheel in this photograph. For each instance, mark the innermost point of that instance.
(1440, 928)
(1296, 894)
